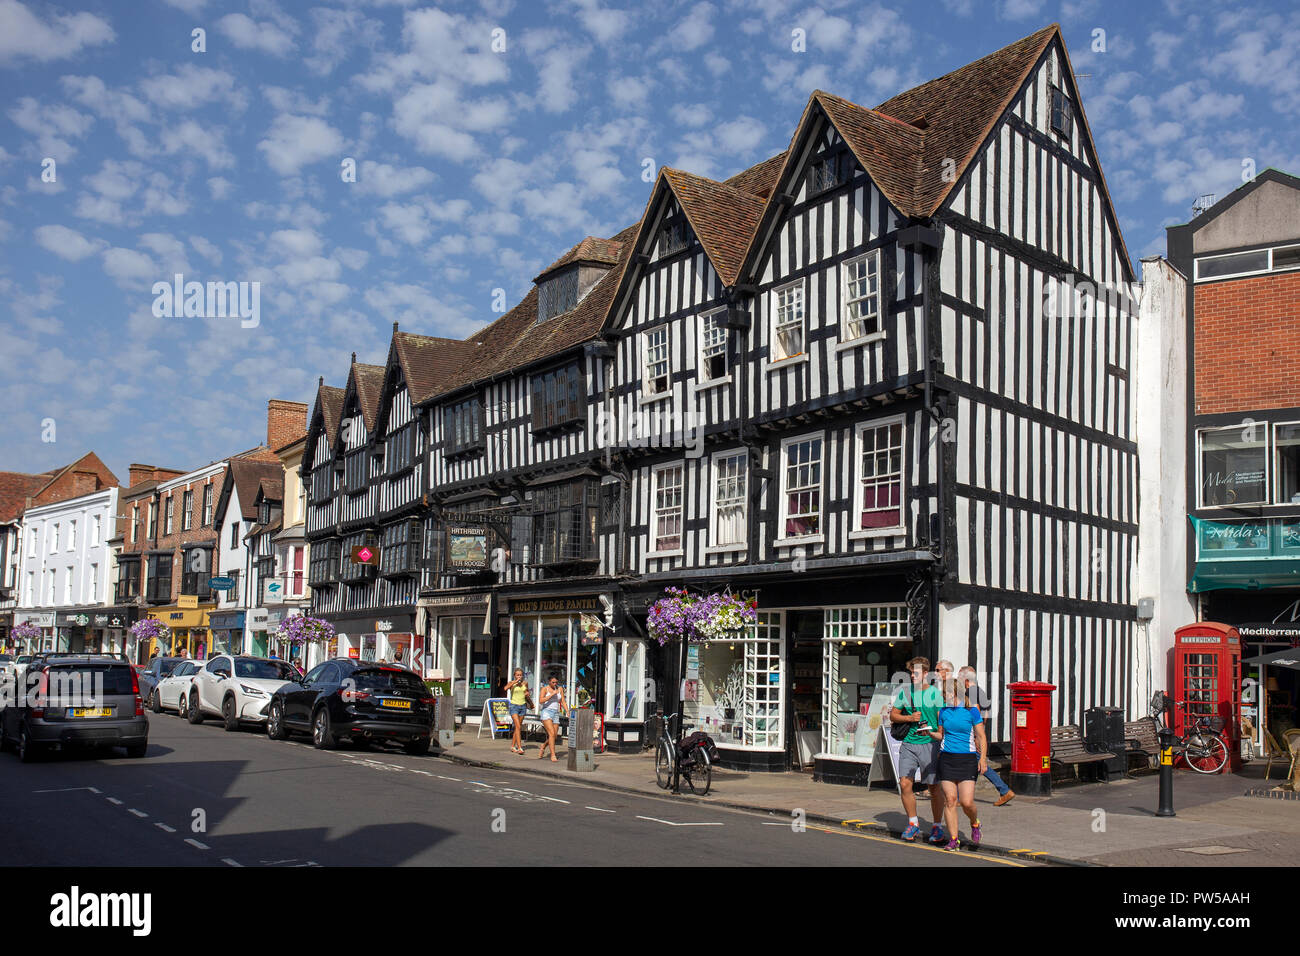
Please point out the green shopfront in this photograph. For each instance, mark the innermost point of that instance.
(1247, 574)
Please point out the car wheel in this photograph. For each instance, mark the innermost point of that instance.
(275, 722)
(137, 750)
(321, 734)
(155, 703)
(417, 748)
(26, 749)
(181, 699)
(193, 713)
(228, 713)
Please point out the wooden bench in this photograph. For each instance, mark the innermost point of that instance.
(1068, 749)
(1142, 739)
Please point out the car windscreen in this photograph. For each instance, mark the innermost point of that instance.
(262, 670)
(381, 680)
(167, 666)
(87, 681)
(24, 658)
(6, 658)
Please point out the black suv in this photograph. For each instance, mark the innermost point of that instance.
(360, 700)
(93, 701)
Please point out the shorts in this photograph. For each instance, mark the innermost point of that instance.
(553, 715)
(914, 757)
(517, 710)
(959, 768)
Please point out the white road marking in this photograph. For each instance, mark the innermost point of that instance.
(441, 777)
(422, 773)
(113, 800)
(671, 824)
(139, 813)
(552, 799)
(229, 862)
(601, 809)
(164, 827)
(197, 845)
(67, 790)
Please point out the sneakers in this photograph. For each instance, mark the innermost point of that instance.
(912, 832)
(937, 834)
(952, 846)
(975, 833)
(1005, 798)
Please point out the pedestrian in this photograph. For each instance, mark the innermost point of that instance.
(963, 750)
(552, 706)
(919, 751)
(520, 701)
(967, 676)
(297, 666)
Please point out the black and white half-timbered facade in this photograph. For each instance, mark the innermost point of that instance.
(878, 384)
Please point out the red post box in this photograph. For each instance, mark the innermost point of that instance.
(1031, 737)
(1207, 682)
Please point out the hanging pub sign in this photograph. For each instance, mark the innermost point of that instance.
(365, 554)
(467, 548)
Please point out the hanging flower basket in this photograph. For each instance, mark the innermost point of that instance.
(680, 615)
(149, 629)
(26, 631)
(301, 629)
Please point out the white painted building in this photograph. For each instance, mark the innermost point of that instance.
(65, 572)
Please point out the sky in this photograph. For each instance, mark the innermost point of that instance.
(486, 139)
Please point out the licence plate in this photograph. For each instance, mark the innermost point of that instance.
(396, 704)
(90, 711)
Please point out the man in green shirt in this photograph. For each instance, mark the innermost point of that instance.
(918, 753)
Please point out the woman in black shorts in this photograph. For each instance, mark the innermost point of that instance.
(962, 758)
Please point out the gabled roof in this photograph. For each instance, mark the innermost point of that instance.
(368, 383)
(1269, 175)
(428, 361)
(246, 477)
(758, 180)
(722, 216)
(889, 150)
(330, 400)
(957, 112)
(15, 488)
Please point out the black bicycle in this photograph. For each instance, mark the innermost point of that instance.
(693, 766)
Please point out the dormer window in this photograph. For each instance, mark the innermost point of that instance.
(557, 294)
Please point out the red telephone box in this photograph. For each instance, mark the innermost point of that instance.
(1031, 737)
(1206, 681)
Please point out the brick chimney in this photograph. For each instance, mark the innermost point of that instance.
(139, 473)
(285, 422)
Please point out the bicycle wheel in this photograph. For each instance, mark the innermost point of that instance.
(664, 765)
(699, 775)
(1210, 757)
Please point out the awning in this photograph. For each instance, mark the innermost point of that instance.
(1289, 658)
(1249, 575)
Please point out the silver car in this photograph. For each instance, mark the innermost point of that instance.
(68, 701)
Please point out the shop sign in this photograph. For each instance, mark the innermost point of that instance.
(188, 601)
(467, 548)
(383, 626)
(559, 605)
(440, 687)
(455, 600)
(1270, 632)
(221, 584)
(365, 554)
(257, 619)
(38, 618)
(354, 653)
(1224, 541)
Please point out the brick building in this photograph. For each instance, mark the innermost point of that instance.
(1241, 258)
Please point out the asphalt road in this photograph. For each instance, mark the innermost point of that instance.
(205, 797)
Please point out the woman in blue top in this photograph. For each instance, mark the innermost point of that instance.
(962, 758)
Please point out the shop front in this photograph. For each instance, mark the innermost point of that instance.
(190, 631)
(109, 628)
(257, 637)
(228, 633)
(1247, 574)
(560, 636)
(75, 632)
(43, 620)
(377, 635)
(461, 632)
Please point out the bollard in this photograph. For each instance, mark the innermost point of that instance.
(444, 722)
(1166, 808)
(582, 735)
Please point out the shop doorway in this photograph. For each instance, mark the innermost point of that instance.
(804, 650)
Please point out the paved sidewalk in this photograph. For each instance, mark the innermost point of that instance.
(1110, 824)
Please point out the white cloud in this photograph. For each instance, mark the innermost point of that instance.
(129, 268)
(206, 249)
(295, 141)
(53, 126)
(248, 34)
(694, 30)
(25, 35)
(192, 86)
(67, 243)
(297, 243)
(219, 187)
(381, 179)
(439, 121)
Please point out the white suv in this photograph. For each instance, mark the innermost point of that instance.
(236, 689)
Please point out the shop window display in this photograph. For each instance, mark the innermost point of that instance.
(862, 647)
(733, 687)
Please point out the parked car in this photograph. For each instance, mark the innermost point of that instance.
(6, 665)
(362, 701)
(92, 701)
(155, 671)
(236, 689)
(173, 691)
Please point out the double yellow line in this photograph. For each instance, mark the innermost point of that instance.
(859, 825)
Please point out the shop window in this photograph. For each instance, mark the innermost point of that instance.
(464, 655)
(734, 689)
(1286, 442)
(625, 681)
(554, 646)
(880, 476)
(1233, 465)
(862, 647)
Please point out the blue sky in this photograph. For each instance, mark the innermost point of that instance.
(475, 167)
